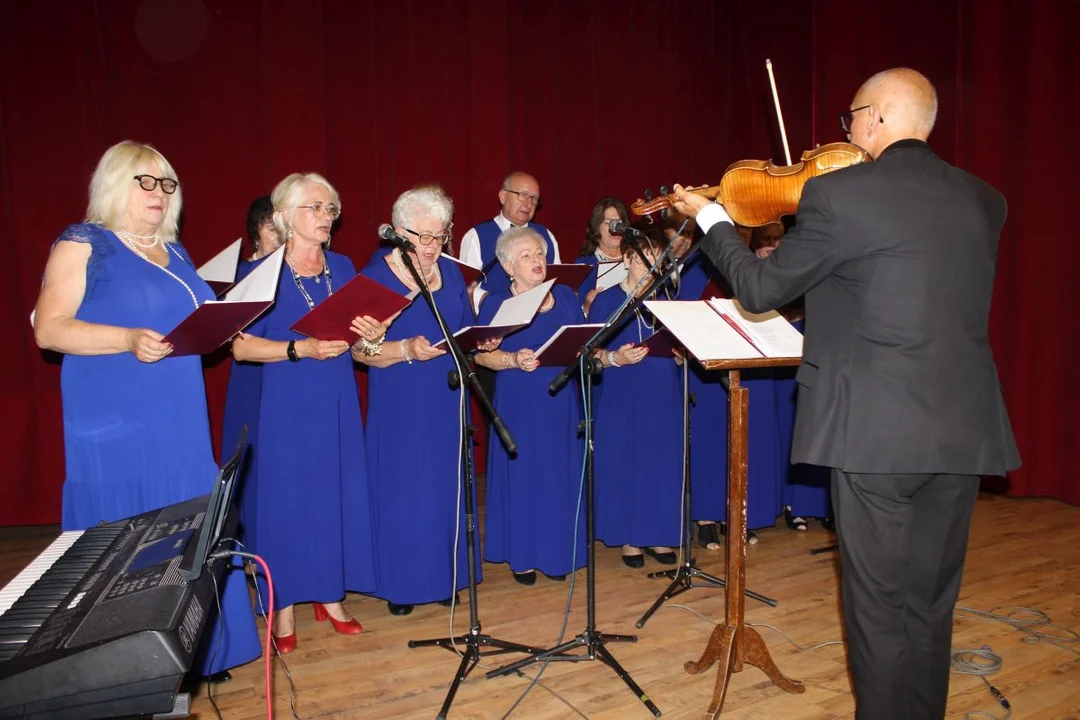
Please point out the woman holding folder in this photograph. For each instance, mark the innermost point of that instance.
(306, 488)
(639, 428)
(413, 443)
(533, 519)
(136, 429)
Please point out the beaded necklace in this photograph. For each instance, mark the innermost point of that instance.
(300, 285)
(127, 239)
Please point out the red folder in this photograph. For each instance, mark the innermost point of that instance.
(569, 274)
(564, 346)
(662, 344)
(220, 287)
(331, 318)
(212, 325)
(470, 338)
(468, 272)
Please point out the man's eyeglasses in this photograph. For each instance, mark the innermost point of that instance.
(848, 116)
(317, 209)
(149, 182)
(428, 238)
(525, 196)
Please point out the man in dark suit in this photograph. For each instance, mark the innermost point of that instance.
(898, 392)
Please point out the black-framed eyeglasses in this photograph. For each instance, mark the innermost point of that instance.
(847, 116)
(149, 182)
(428, 238)
(524, 196)
(317, 209)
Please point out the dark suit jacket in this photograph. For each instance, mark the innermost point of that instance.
(897, 259)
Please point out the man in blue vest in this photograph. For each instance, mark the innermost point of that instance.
(518, 198)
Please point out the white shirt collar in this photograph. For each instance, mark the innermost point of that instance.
(505, 224)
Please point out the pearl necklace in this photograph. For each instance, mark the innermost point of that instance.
(164, 269)
(640, 320)
(429, 275)
(133, 239)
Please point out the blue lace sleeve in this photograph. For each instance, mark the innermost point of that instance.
(100, 247)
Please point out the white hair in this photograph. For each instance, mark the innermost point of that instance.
(110, 186)
(504, 246)
(423, 201)
(287, 193)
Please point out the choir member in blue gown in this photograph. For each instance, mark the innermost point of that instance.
(136, 429)
(767, 461)
(534, 520)
(600, 245)
(309, 494)
(413, 440)
(638, 430)
(245, 379)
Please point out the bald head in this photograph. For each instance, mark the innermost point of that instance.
(904, 105)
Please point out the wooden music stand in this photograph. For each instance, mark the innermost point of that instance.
(734, 642)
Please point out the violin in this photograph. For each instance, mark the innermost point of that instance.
(757, 192)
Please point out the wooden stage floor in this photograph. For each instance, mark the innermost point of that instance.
(1023, 552)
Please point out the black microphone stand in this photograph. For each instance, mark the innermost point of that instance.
(592, 640)
(474, 639)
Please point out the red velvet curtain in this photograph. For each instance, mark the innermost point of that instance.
(598, 97)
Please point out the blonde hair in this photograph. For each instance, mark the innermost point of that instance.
(110, 186)
(287, 193)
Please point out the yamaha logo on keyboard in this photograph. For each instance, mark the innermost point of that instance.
(189, 627)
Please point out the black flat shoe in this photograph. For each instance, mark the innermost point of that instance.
(707, 535)
(450, 601)
(396, 609)
(556, 578)
(526, 578)
(664, 558)
(828, 523)
(219, 677)
(634, 561)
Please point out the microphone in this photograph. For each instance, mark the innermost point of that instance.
(387, 232)
(618, 227)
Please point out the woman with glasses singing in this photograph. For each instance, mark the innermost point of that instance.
(307, 493)
(413, 442)
(533, 514)
(136, 430)
(600, 245)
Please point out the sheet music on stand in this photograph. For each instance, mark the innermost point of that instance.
(722, 329)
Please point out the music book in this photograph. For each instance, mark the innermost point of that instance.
(721, 329)
(470, 273)
(515, 313)
(330, 319)
(220, 271)
(662, 344)
(214, 322)
(572, 274)
(563, 347)
(610, 274)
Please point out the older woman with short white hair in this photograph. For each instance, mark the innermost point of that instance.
(532, 518)
(309, 507)
(412, 423)
(136, 430)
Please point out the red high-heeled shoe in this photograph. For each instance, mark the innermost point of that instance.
(285, 644)
(344, 627)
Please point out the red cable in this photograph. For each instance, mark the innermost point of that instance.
(269, 629)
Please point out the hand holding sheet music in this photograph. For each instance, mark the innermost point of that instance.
(214, 322)
(515, 313)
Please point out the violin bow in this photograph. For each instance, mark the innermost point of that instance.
(779, 114)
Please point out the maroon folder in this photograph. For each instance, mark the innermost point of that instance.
(468, 272)
(563, 347)
(470, 338)
(662, 344)
(219, 287)
(212, 325)
(331, 318)
(569, 274)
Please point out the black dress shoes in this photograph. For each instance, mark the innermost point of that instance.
(396, 609)
(664, 558)
(526, 578)
(634, 561)
(556, 578)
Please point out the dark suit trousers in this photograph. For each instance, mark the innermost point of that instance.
(902, 544)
